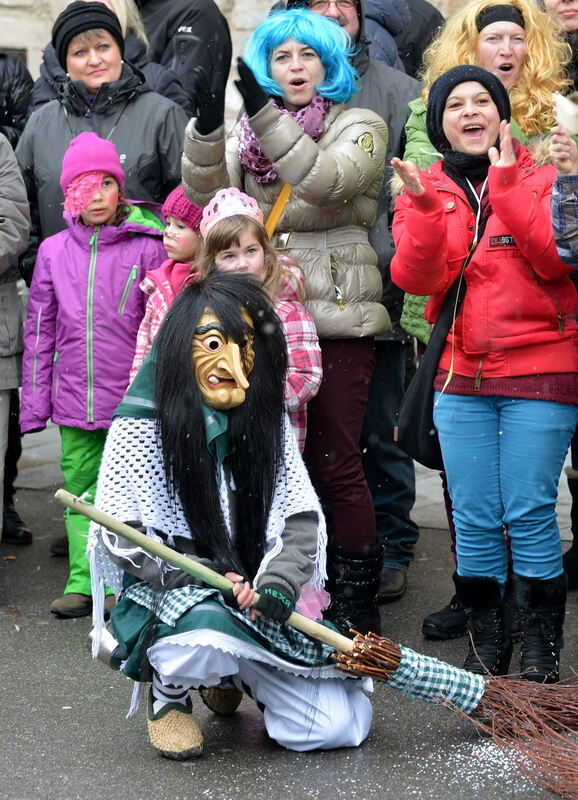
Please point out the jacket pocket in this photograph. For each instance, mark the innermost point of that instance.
(126, 291)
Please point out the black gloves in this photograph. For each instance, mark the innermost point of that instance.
(274, 602)
(253, 95)
(210, 100)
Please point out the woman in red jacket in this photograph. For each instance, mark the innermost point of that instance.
(507, 383)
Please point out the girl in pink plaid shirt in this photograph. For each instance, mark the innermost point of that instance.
(182, 242)
(235, 239)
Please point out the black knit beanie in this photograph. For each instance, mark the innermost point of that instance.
(79, 17)
(440, 91)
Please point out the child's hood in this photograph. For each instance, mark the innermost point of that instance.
(144, 218)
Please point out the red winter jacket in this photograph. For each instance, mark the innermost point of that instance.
(517, 317)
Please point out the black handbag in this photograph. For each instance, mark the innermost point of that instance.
(416, 432)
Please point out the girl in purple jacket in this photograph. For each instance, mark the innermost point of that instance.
(84, 312)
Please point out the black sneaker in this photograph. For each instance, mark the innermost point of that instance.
(449, 623)
(14, 529)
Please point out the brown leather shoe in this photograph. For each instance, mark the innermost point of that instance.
(72, 605)
(221, 701)
(392, 586)
(59, 546)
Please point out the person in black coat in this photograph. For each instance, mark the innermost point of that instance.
(15, 89)
(184, 34)
(136, 51)
(426, 20)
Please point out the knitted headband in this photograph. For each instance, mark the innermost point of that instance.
(79, 17)
(499, 13)
(440, 91)
(179, 206)
(228, 203)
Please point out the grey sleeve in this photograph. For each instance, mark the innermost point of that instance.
(293, 566)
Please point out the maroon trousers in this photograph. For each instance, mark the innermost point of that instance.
(332, 448)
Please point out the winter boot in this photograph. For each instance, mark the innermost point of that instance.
(543, 605)
(490, 643)
(448, 623)
(354, 577)
(570, 558)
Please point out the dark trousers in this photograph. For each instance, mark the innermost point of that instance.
(14, 449)
(332, 449)
(389, 471)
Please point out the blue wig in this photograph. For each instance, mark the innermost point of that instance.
(330, 42)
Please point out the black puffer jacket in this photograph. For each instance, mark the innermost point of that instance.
(186, 33)
(385, 19)
(146, 128)
(15, 91)
(426, 21)
(160, 79)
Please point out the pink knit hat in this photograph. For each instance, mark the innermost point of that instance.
(89, 153)
(179, 206)
(229, 203)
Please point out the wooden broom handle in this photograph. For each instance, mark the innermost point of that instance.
(200, 571)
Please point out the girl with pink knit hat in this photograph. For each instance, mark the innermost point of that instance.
(84, 312)
(182, 242)
(235, 239)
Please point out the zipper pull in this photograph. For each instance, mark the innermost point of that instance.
(561, 326)
(339, 296)
(133, 272)
(478, 378)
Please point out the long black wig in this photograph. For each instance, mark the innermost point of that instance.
(255, 446)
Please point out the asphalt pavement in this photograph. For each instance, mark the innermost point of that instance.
(62, 715)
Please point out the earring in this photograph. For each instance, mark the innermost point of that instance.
(68, 74)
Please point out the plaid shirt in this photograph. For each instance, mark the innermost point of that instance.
(565, 218)
(304, 372)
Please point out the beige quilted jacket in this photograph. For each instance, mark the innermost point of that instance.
(325, 224)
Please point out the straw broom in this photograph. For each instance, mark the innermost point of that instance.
(531, 720)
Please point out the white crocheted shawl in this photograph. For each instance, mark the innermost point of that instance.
(131, 486)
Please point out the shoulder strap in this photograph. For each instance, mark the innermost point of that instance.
(278, 209)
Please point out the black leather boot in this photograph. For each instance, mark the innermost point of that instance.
(543, 606)
(490, 642)
(570, 558)
(353, 583)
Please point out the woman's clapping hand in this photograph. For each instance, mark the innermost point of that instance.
(505, 156)
(409, 173)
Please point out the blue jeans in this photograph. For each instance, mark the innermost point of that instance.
(503, 458)
(388, 470)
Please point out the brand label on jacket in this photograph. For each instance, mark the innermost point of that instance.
(502, 241)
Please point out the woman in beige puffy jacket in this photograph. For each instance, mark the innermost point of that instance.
(296, 131)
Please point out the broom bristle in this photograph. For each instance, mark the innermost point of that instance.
(530, 721)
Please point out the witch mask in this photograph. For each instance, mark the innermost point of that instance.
(221, 365)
